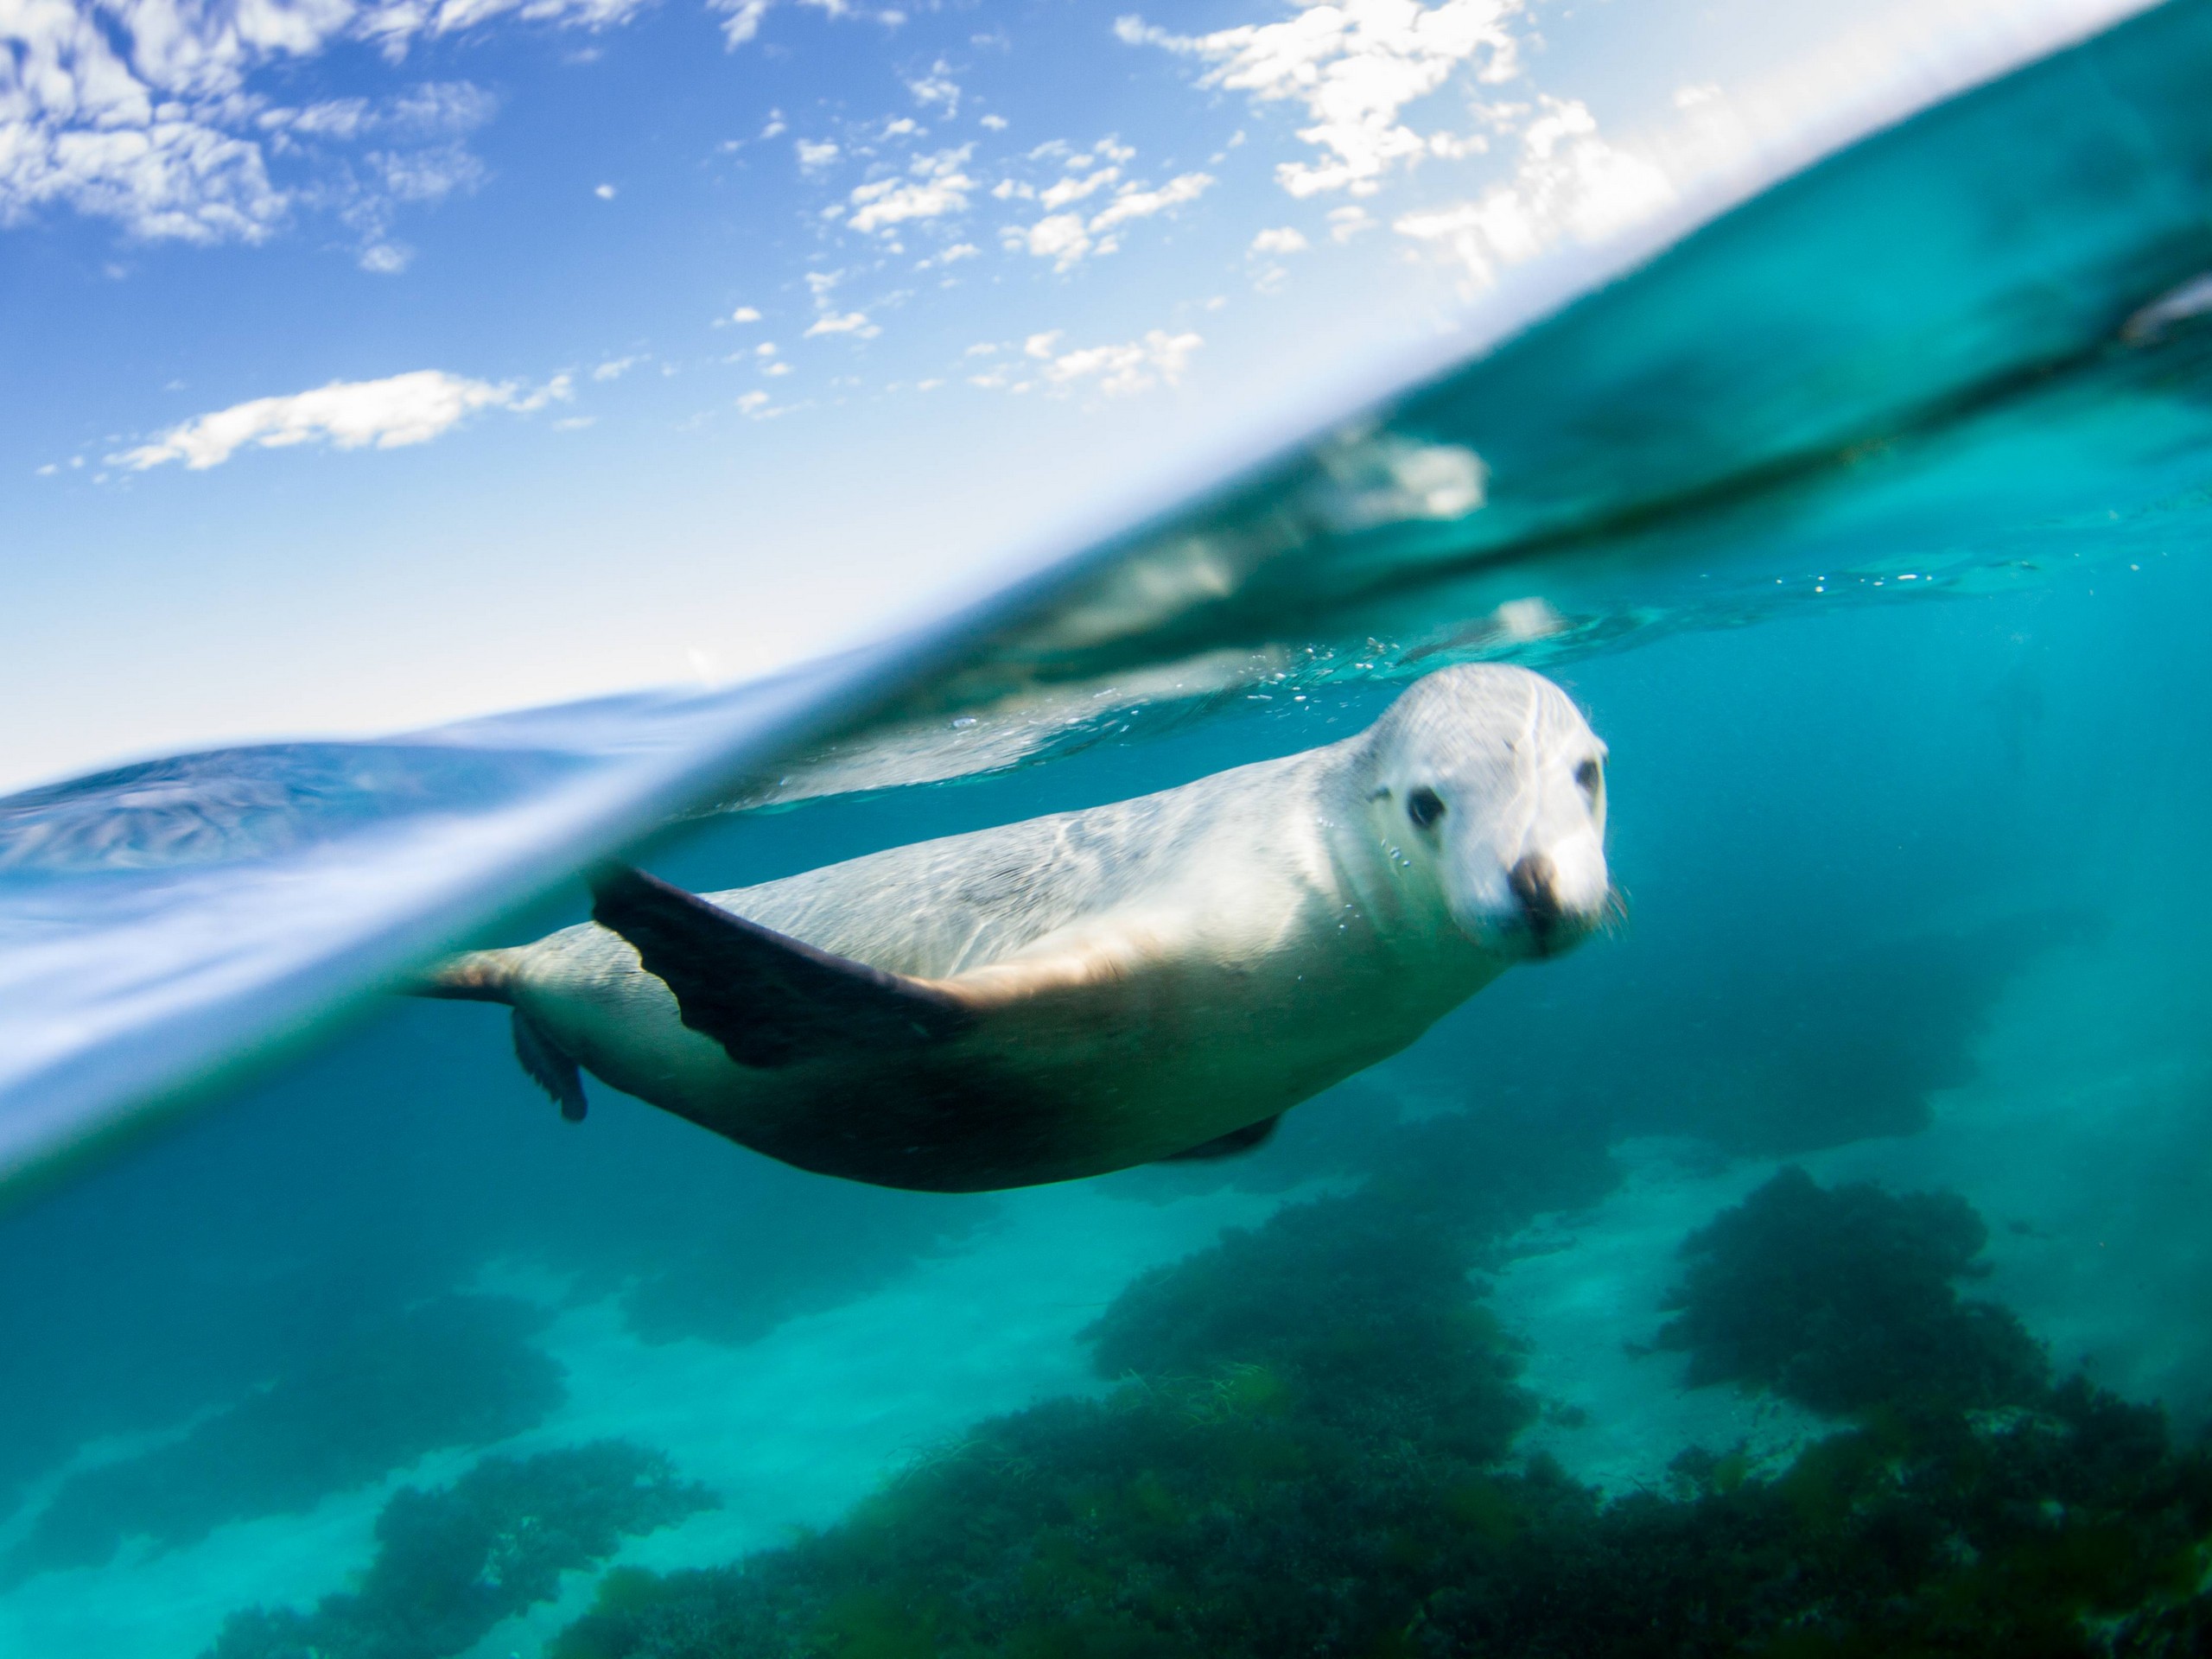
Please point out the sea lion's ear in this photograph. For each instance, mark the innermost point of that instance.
(768, 999)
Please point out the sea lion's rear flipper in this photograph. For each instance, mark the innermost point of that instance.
(551, 1066)
(768, 999)
(1251, 1138)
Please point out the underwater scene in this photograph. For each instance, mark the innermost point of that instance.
(1743, 1187)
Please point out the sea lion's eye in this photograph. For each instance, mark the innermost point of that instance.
(1424, 806)
(1591, 776)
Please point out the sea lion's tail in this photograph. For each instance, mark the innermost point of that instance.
(471, 976)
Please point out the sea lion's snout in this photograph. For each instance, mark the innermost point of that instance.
(1557, 914)
(1542, 903)
(1535, 882)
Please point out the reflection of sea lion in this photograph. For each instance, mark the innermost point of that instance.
(1157, 978)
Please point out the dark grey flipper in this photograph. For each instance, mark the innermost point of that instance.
(1251, 1137)
(549, 1067)
(768, 999)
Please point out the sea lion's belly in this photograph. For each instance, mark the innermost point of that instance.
(1151, 1048)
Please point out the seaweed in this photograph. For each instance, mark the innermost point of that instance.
(1310, 1451)
(1265, 1466)
(1842, 1299)
(461, 1370)
(452, 1564)
(1358, 1303)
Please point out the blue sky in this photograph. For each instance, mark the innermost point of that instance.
(373, 363)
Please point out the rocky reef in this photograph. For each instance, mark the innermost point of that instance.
(1307, 1448)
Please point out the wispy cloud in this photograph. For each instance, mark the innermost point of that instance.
(1355, 65)
(936, 88)
(387, 414)
(1067, 238)
(1118, 371)
(1570, 183)
(1075, 187)
(935, 186)
(741, 19)
(141, 113)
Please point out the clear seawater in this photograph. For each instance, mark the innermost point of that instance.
(1818, 1263)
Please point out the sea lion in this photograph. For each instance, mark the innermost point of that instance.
(1161, 978)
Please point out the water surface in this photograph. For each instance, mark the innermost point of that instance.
(1814, 1261)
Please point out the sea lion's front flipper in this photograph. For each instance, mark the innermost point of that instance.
(768, 999)
(551, 1066)
(1247, 1139)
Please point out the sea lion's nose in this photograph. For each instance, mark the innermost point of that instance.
(1534, 881)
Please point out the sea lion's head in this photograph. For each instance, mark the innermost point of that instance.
(1487, 781)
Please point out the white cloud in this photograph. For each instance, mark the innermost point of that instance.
(936, 88)
(995, 122)
(753, 402)
(742, 21)
(1286, 240)
(604, 192)
(141, 111)
(1345, 223)
(1076, 187)
(952, 255)
(1067, 238)
(615, 367)
(1116, 371)
(1354, 65)
(742, 18)
(813, 157)
(1570, 183)
(938, 188)
(744, 313)
(1130, 202)
(388, 414)
(432, 175)
(853, 322)
(337, 117)
(1062, 238)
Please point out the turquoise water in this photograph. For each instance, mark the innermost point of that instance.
(1813, 1264)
